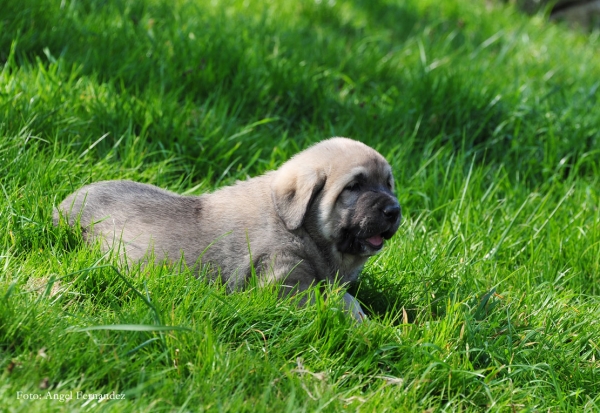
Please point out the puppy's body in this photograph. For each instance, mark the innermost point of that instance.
(213, 227)
(319, 217)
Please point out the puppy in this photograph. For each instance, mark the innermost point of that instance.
(317, 218)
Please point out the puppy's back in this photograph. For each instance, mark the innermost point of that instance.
(139, 215)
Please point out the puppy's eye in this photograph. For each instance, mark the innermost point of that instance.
(355, 186)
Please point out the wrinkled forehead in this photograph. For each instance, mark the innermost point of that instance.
(370, 168)
(343, 160)
(375, 172)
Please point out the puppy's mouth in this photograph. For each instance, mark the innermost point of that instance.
(375, 242)
(357, 244)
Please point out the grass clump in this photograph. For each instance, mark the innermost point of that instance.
(486, 299)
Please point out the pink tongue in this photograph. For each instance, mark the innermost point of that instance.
(375, 240)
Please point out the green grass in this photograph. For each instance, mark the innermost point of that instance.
(488, 298)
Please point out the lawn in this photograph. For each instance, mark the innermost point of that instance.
(487, 298)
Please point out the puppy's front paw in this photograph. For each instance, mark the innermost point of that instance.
(352, 306)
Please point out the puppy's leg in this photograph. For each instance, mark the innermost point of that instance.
(353, 307)
(296, 278)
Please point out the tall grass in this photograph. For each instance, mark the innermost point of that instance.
(486, 299)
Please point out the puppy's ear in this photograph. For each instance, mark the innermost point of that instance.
(292, 191)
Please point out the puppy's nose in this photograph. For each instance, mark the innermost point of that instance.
(391, 212)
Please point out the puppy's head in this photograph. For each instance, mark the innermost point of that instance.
(341, 191)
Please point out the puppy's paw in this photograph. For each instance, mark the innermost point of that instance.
(352, 306)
